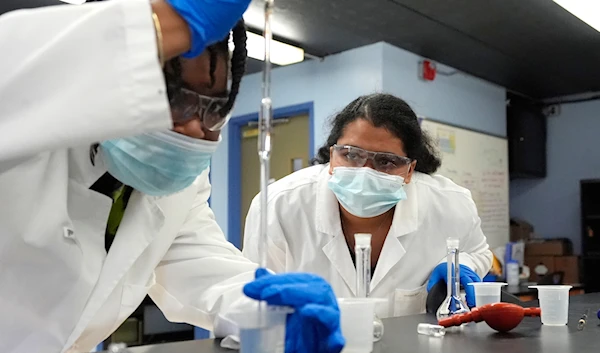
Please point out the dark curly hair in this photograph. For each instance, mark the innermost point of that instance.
(172, 70)
(392, 114)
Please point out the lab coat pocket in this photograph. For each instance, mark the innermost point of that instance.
(410, 302)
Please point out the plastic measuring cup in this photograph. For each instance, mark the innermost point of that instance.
(487, 292)
(262, 331)
(554, 303)
(357, 323)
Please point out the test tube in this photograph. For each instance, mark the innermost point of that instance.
(362, 253)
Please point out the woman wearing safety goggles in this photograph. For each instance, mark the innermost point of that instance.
(377, 175)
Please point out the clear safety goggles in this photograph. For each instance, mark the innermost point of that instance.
(384, 162)
(187, 104)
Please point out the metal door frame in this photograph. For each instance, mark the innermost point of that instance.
(235, 160)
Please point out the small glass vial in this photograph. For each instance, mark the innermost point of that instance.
(431, 330)
(362, 253)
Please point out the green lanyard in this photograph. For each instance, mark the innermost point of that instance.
(116, 213)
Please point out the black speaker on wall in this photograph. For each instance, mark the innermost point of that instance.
(526, 129)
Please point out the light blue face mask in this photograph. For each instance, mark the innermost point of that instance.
(365, 192)
(158, 163)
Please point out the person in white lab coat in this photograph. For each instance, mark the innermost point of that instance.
(76, 75)
(376, 175)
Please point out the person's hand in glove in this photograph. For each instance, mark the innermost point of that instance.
(440, 273)
(314, 326)
(209, 20)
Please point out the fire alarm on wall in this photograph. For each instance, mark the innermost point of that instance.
(427, 70)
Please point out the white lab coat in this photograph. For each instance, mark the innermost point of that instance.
(73, 75)
(305, 234)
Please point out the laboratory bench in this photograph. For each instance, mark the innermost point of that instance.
(401, 336)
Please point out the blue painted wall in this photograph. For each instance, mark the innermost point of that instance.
(459, 99)
(334, 82)
(552, 204)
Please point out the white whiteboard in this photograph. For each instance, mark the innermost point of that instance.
(478, 162)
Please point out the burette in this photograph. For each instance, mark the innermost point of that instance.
(264, 138)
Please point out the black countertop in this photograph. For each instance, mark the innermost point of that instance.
(401, 336)
(529, 336)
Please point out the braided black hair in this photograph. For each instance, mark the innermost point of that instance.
(392, 114)
(175, 82)
(174, 79)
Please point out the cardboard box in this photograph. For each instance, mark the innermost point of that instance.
(567, 264)
(520, 230)
(570, 266)
(533, 261)
(554, 247)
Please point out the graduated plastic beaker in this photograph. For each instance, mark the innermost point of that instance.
(357, 323)
(262, 331)
(554, 303)
(487, 292)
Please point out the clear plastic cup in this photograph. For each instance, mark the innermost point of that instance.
(262, 331)
(357, 323)
(487, 292)
(554, 303)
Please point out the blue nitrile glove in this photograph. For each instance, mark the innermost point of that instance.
(314, 326)
(440, 273)
(209, 20)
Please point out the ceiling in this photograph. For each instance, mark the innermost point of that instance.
(532, 47)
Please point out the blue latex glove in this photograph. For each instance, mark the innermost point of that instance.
(440, 273)
(314, 326)
(209, 20)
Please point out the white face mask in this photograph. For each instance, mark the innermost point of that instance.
(365, 192)
(158, 163)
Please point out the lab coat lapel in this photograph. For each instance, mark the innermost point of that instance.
(142, 221)
(86, 165)
(327, 221)
(339, 256)
(405, 221)
(145, 218)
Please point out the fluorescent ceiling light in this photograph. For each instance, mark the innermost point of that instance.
(281, 53)
(587, 10)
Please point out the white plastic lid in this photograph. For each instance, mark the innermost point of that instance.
(362, 239)
(452, 242)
